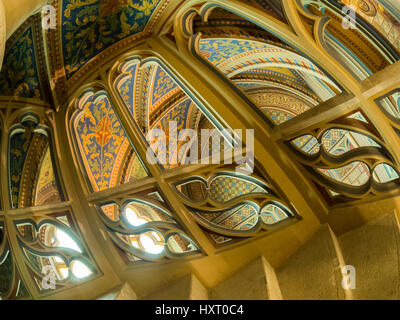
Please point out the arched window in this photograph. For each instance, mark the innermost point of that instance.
(167, 121)
(170, 132)
(41, 228)
(374, 28)
(31, 175)
(275, 77)
(59, 258)
(345, 158)
(158, 104)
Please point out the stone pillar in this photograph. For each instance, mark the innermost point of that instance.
(123, 292)
(314, 271)
(186, 288)
(256, 281)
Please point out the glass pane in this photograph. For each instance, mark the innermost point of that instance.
(232, 205)
(391, 104)
(53, 251)
(339, 141)
(307, 143)
(146, 230)
(384, 173)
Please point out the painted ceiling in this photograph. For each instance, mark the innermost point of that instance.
(23, 72)
(380, 18)
(90, 26)
(154, 99)
(104, 147)
(87, 28)
(278, 80)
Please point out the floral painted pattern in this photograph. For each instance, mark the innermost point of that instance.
(19, 75)
(90, 26)
(163, 85)
(102, 141)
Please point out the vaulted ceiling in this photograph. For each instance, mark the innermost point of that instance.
(84, 30)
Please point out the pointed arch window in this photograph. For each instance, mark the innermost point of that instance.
(32, 178)
(44, 240)
(275, 79)
(158, 103)
(374, 27)
(154, 97)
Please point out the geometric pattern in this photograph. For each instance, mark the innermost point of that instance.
(355, 173)
(232, 213)
(384, 173)
(162, 85)
(307, 144)
(272, 214)
(181, 114)
(46, 188)
(232, 55)
(225, 188)
(381, 19)
(278, 116)
(243, 217)
(279, 105)
(302, 84)
(337, 142)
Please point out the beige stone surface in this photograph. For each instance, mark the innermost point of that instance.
(313, 272)
(123, 292)
(373, 250)
(17, 11)
(186, 288)
(256, 281)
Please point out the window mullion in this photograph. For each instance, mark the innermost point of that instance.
(19, 259)
(185, 217)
